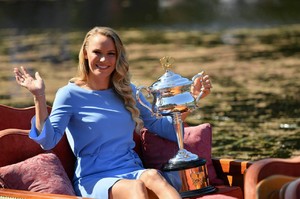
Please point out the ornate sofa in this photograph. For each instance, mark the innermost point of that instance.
(272, 178)
(27, 171)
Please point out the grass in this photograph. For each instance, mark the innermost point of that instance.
(254, 106)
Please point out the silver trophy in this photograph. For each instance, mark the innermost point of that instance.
(171, 97)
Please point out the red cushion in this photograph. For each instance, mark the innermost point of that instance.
(224, 192)
(42, 173)
(198, 139)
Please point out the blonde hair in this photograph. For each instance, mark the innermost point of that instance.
(120, 77)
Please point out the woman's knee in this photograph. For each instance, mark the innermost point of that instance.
(152, 175)
(157, 185)
(132, 188)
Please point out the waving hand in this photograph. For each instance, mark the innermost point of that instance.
(34, 84)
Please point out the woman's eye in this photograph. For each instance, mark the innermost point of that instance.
(111, 54)
(97, 52)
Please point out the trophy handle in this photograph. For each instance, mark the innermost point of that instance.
(139, 89)
(201, 92)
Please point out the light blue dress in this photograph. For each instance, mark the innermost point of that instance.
(100, 132)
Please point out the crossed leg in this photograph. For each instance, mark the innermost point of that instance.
(151, 185)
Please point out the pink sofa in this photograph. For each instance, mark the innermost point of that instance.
(19, 154)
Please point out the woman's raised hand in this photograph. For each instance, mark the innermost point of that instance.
(203, 84)
(35, 85)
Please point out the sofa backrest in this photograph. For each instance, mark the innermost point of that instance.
(19, 118)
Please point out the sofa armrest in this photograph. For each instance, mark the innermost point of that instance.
(264, 168)
(231, 171)
(12, 193)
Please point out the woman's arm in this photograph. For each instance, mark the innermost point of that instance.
(37, 87)
(41, 112)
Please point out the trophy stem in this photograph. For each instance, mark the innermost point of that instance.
(179, 128)
(183, 156)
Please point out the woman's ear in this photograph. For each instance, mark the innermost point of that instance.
(85, 54)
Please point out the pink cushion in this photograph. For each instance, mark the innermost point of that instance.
(223, 192)
(42, 173)
(197, 139)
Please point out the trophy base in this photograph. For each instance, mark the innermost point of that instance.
(198, 192)
(184, 158)
(180, 165)
(193, 177)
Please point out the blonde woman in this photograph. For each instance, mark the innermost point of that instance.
(98, 112)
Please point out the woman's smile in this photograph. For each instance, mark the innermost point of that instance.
(102, 67)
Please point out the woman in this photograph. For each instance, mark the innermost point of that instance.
(99, 113)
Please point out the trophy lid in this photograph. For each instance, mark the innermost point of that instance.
(169, 79)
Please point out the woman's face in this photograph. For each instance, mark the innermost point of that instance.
(101, 55)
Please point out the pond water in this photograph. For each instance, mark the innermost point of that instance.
(189, 14)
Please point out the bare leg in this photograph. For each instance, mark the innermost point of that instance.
(129, 189)
(157, 186)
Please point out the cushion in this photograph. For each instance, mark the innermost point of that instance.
(42, 173)
(224, 192)
(197, 139)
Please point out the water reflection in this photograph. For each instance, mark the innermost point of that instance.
(144, 13)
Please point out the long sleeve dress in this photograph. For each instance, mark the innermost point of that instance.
(100, 131)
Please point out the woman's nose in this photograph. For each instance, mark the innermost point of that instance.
(102, 58)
